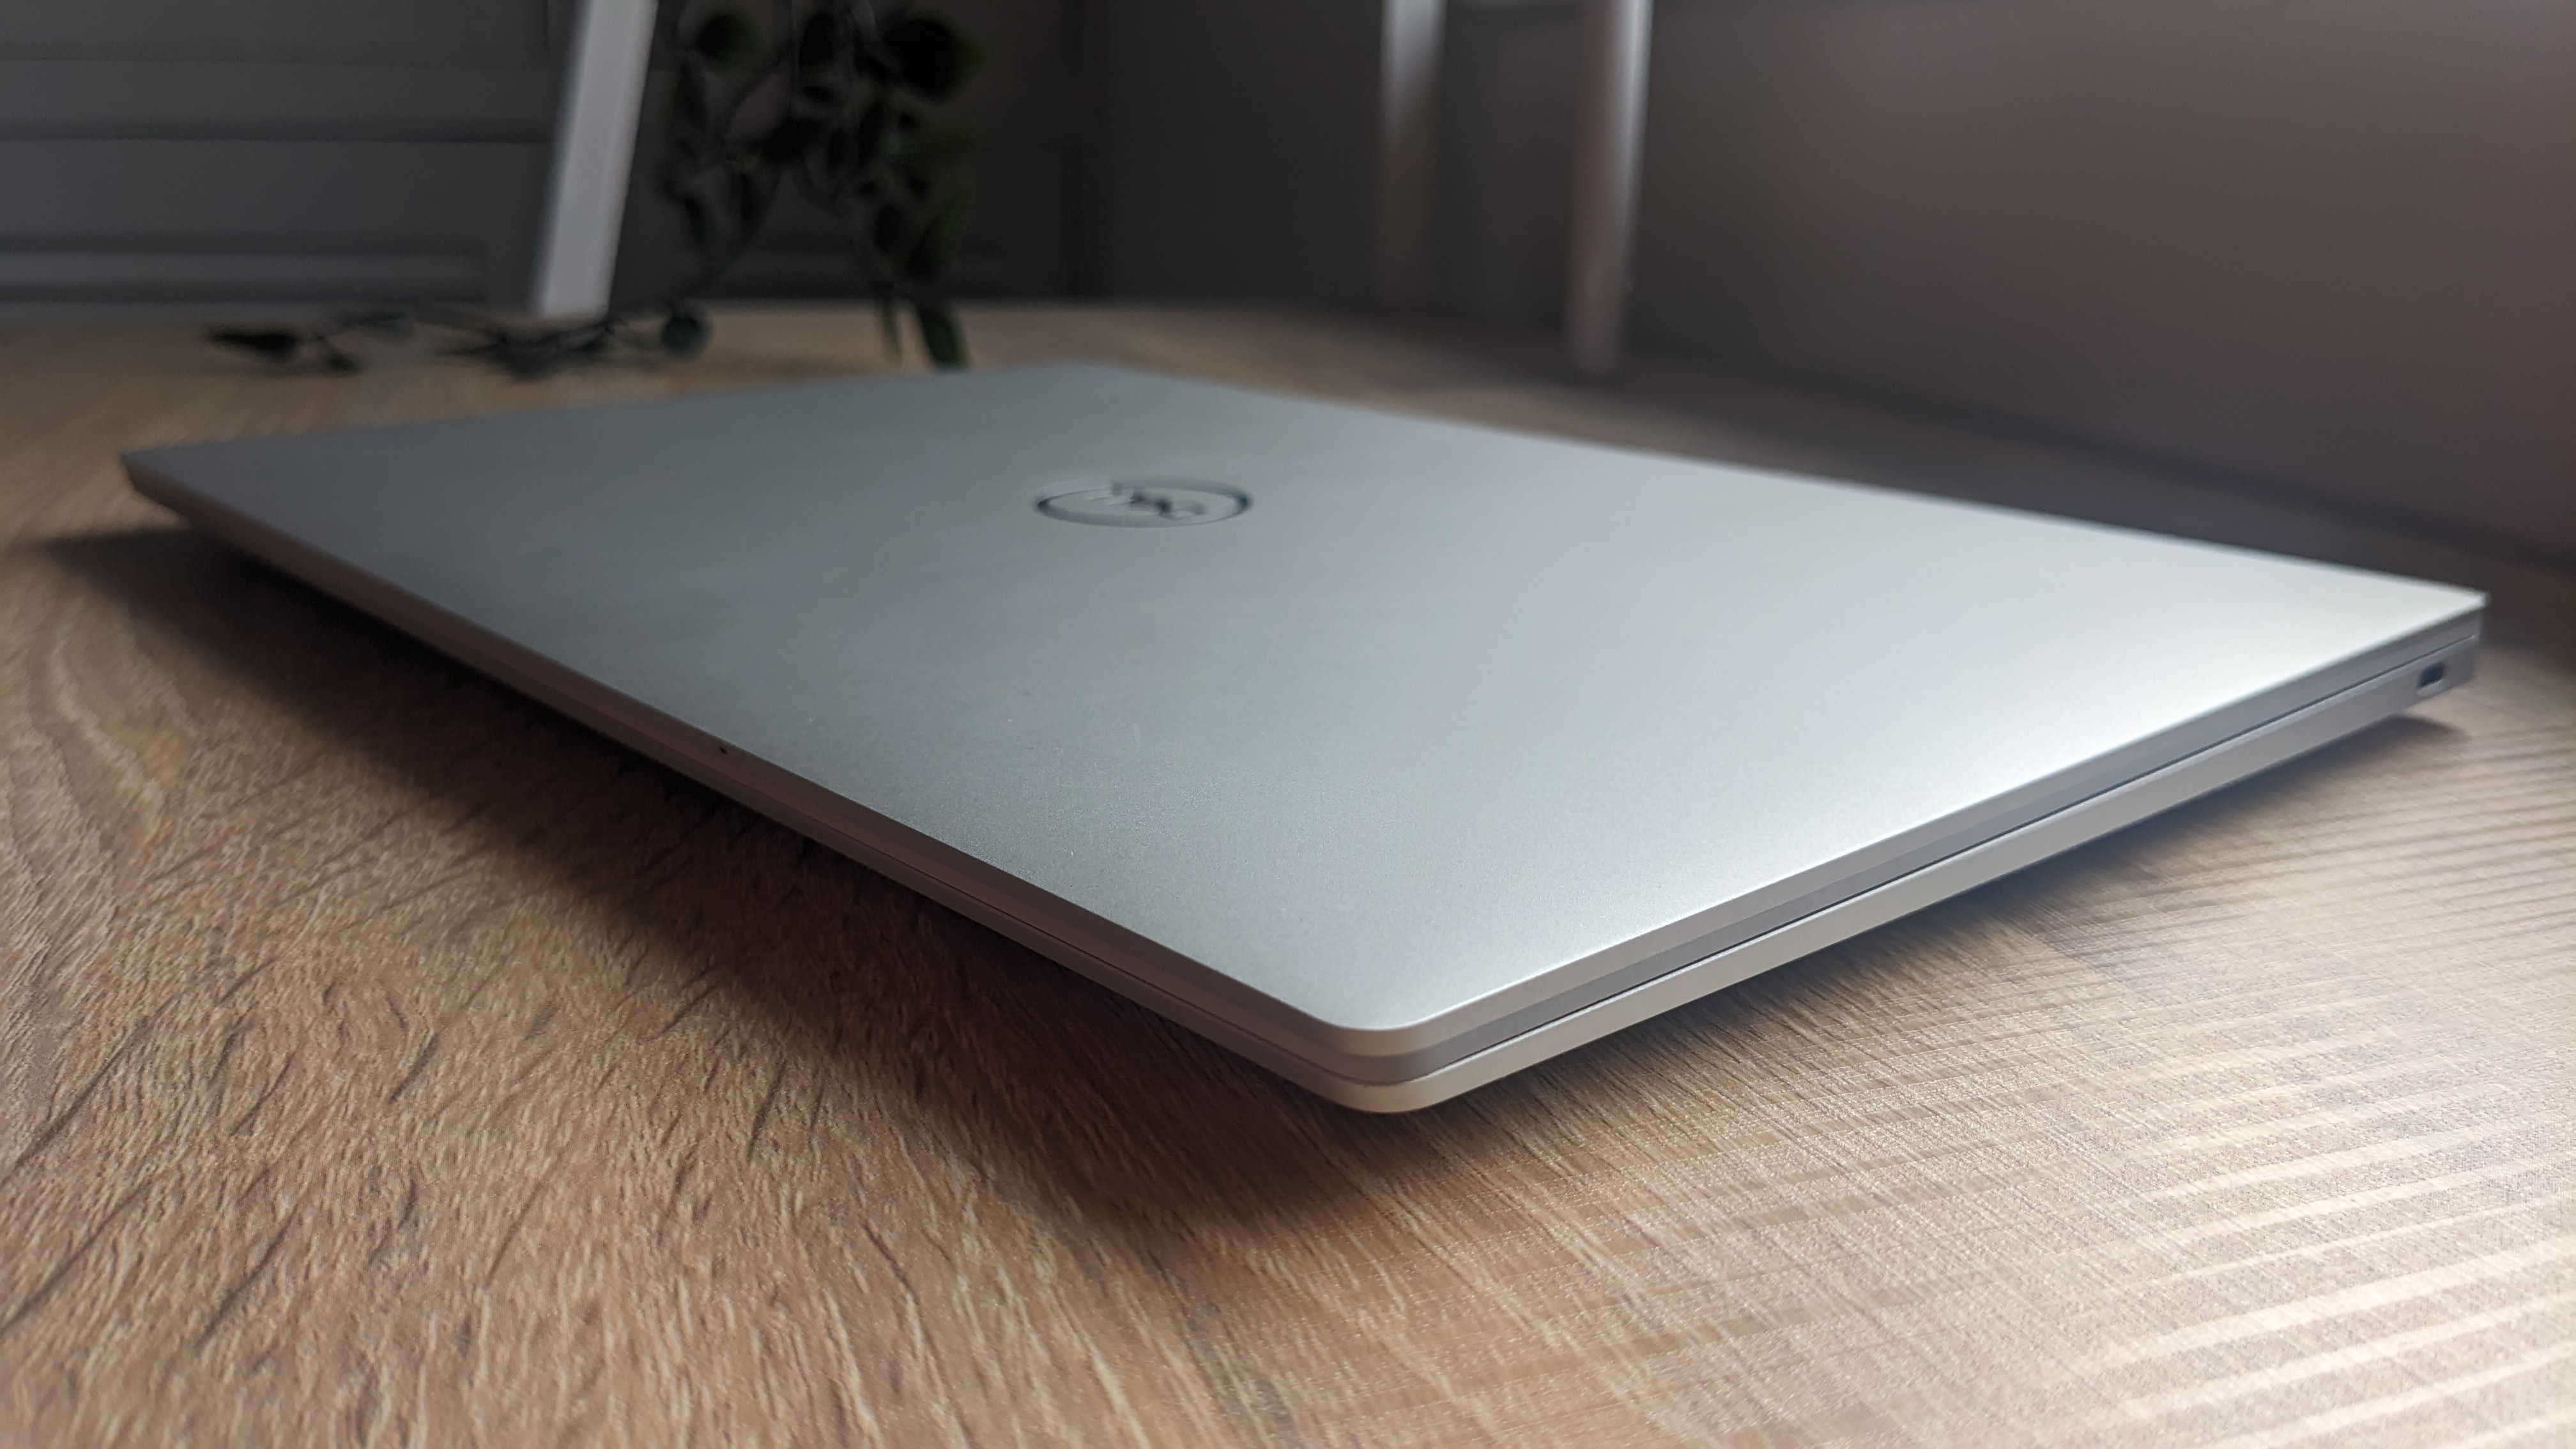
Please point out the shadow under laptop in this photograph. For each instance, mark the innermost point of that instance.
(866, 1006)
(853, 987)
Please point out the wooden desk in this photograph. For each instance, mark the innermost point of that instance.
(385, 1059)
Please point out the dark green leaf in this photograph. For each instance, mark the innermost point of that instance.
(893, 231)
(727, 40)
(751, 194)
(840, 156)
(929, 55)
(688, 109)
(674, 175)
(788, 141)
(926, 158)
(702, 222)
(874, 274)
(939, 240)
(823, 42)
(872, 63)
(941, 336)
(274, 343)
(875, 124)
(890, 326)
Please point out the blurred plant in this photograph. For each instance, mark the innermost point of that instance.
(527, 352)
(838, 105)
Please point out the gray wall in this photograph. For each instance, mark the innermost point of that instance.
(2327, 246)
(153, 149)
(1239, 148)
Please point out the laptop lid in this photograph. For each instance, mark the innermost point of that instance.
(1377, 738)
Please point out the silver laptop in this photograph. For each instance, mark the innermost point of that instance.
(1395, 755)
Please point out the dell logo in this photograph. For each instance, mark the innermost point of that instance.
(1146, 503)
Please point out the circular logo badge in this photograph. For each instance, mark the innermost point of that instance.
(1146, 503)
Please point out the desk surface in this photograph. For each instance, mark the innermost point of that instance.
(384, 1059)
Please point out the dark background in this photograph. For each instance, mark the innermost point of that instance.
(2322, 247)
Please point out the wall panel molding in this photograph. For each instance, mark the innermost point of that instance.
(273, 150)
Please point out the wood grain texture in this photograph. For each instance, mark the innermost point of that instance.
(386, 1060)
